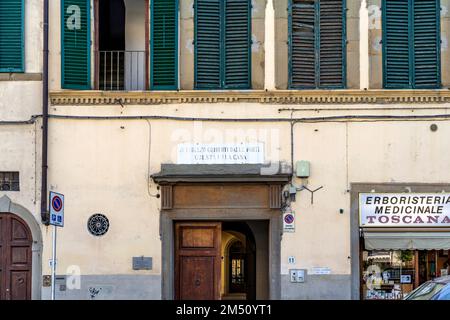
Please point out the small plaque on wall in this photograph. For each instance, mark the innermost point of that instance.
(142, 263)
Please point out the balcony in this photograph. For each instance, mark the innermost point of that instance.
(122, 70)
(121, 58)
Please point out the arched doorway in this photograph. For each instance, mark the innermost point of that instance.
(15, 258)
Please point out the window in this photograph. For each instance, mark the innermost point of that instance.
(12, 36)
(387, 274)
(9, 181)
(164, 43)
(411, 44)
(75, 43)
(317, 44)
(222, 44)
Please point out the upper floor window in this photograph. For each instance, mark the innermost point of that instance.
(317, 44)
(222, 44)
(411, 44)
(12, 35)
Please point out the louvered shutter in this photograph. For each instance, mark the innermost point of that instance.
(303, 44)
(332, 44)
(237, 44)
(426, 44)
(76, 39)
(207, 44)
(411, 44)
(164, 44)
(317, 44)
(12, 36)
(396, 44)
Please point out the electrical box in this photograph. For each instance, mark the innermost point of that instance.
(297, 275)
(303, 169)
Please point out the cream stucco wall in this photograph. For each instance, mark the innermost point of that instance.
(20, 143)
(102, 166)
(33, 36)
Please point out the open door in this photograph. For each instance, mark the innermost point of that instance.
(197, 260)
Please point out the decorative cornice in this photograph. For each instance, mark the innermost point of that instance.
(255, 96)
(20, 76)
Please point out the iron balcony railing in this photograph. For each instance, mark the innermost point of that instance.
(122, 70)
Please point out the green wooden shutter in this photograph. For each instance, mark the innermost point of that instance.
(396, 26)
(411, 44)
(237, 44)
(332, 44)
(164, 53)
(207, 44)
(317, 44)
(303, 44)
(75, 42)
(12, 36)
(426, 44)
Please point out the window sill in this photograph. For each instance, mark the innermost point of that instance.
(20, 76)
(83, 97)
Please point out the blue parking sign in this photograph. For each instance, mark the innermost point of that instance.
(56, 209)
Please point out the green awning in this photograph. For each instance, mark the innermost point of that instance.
(406, 240)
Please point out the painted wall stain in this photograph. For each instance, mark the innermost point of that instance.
(255, 44)
(374, 17)
(190, 45)
(376, 43)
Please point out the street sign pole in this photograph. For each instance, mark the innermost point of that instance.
(57, 220)
(54, 262)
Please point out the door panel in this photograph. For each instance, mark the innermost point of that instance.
(19, 285)
(197, 260)
(202, 237)
(197, 277)
(15, 258)
(19, 257)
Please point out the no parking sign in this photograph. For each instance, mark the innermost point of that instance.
(56, 209)
(289, 222)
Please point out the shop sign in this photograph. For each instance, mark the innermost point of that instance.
(404, 209)
(244, 153)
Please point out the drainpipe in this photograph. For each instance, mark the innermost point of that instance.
(44, 212)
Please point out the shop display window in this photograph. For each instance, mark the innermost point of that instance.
(392, 274)
(388, 274)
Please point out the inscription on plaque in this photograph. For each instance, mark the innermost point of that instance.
(142, 263)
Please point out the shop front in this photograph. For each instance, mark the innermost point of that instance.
(401, 236)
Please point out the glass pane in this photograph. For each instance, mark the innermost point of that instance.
(387, 274)
(426, 291)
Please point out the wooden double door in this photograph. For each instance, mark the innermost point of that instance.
(15, 258)
(197, 260)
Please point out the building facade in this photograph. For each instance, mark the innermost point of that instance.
(217, 149)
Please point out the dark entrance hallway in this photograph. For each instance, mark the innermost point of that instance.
(238, 261)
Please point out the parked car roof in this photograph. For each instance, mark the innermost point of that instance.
(445, 279)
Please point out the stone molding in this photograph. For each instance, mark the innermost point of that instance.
(69, 97)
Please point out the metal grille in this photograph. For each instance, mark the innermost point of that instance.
(98, 224)
(122, 70)
(9, 181)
